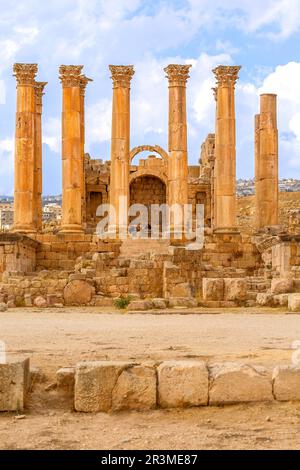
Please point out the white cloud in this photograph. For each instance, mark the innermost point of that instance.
(52, 134)
(7, 165)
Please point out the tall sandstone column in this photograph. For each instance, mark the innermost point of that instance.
(24, 204)
(266, 163)
(120, 145)
(83, 84)
(72, 167)
(38, 178)
(178, 157)
(225, 159)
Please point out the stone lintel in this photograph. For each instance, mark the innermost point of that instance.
(25, 73)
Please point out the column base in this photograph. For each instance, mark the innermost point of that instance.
(24, 229)
(71, 228)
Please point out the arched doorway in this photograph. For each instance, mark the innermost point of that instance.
(148, 190)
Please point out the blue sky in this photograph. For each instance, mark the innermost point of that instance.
(263, 37)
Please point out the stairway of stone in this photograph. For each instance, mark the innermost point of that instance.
(255, 285)
(138, 247)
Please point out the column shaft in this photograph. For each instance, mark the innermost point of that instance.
(38, 177)
(72, 167)
(225, 161)
(83, 83)
(266, 163)
(120, 144)
(24, 217)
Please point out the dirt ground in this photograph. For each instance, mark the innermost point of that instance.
(58, 338)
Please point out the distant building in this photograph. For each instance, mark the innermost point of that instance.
(6, 218)
(51, 212)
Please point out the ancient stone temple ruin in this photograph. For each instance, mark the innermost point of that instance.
(73, 265)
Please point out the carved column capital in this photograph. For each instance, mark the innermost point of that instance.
(177, 74)
(227, 74)
(25, 73)
(39, 92)
(121, 75)
(83, 84)
(70, 75)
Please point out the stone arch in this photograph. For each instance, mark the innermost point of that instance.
(150, 148)
(149, 172)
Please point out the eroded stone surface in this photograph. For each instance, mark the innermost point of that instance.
(14, 383)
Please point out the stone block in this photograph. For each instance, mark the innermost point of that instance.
(40, 302)
(286, 383)
(213, 289)
(294, 302)
(65, 379)
(78, 293)
(281, 300)
(159, 303)
(264, 299)
(232, 382)
(94, 384)
(14, 383)
(235, 289)
(135, 389)
(182, 302)
(3, 307)
(182, 384)
(139, 305)
(181, 290)
(54, 299)
(282, 286)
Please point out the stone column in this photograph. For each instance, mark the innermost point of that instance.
(178, 158)
(225, 161)
(24, 207)
(83, 83)
(38, 178)
(266, 163)
(120, 145)
(70, 76)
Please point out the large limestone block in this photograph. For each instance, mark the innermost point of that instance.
(182, 289)
(140, 305)
(182, 384)
(282, 286)
(286, 383)
(213, 289)
(294, 302)
(78, 293)
(94, 384)
(135, 389)
(14, 382)
(264, 299)
(237, 383)
(235, 289)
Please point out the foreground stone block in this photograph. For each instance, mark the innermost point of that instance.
(94, 384)
(159, 303)
(282, 286)
(14, 383)
(281, 300)
(182, 384)
(182, 302)
(140, 305)
(235, 289)
(135, 389)
(65, 379)
(294, 302)
(213, 289)
(238, 383)
(286, 383)
(78, 293)
(264, 299)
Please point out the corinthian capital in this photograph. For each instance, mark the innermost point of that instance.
(83, 83)
(178, 73)
(39, 91)
(121, 75)
(70, 75)
(227, 74)
(25, 73)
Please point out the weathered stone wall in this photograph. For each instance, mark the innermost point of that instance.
(17, 253)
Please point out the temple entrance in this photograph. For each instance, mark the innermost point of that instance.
(148, 190)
